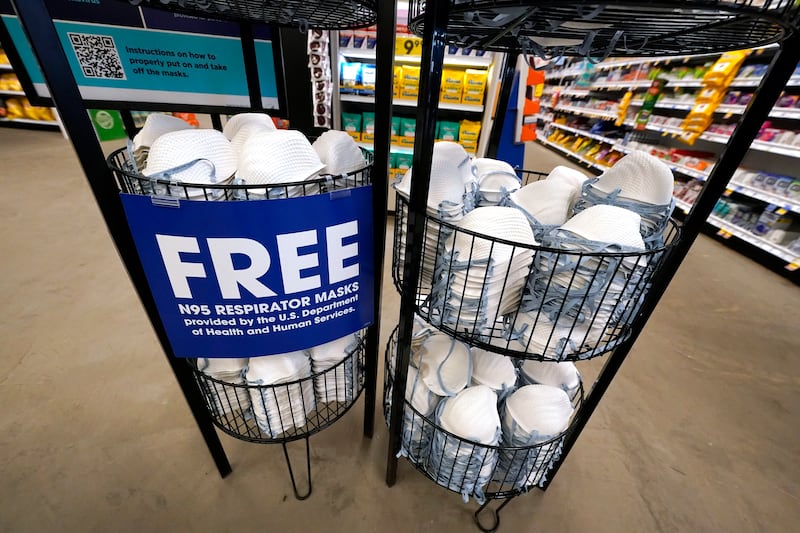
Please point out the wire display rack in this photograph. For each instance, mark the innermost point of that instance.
(319, 14)
(129, 181)
(547, 30)
(545, 304)
(283, 412)
(606, 29)
(486, 472)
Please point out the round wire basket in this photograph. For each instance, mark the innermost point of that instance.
(487, 471)
(546, 303)
(130, 181)
(622, 28)
(319, 14)
(283, 412)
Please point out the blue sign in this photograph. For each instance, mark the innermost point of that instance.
(251, 278)
(122, 53)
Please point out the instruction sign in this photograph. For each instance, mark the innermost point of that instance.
(250, 278)
(122, 53)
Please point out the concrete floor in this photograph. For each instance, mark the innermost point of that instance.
(699, 432)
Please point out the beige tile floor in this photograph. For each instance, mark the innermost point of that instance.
(699, 432)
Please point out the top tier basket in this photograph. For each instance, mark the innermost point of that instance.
(527, 300)
(319, 14)
(130, 181)
(621, 28)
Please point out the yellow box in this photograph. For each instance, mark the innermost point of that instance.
(356, 135)
(409, 91)
(407, 141)
(453, 78)
(397, 139)
(410, 73)
(475, 79)
(469, 131)
(450, 94)
(367, 137)
(471, 147)
(472, 97)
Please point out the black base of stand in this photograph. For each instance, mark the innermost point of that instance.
(291, 471)
(495, 515)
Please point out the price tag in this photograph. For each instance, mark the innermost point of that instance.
(408, 46)
(780, 211)
(727, 192)
(728, 115)
(794, 265)
(725, 234)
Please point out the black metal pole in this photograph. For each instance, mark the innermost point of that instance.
(216, 121)
(44, 40)
(433, 47)
(757, 111)
(128, 122)
(506, 84)
(251, 65)
(384, 59)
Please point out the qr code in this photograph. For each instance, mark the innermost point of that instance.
(97, 56)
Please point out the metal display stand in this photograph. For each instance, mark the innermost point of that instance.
(599, 30)
(216, 402)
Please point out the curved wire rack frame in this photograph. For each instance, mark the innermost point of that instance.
(560, 305)
(598, 30)
(132, 182)
(529, 465)
(304, 14)
(234, 406)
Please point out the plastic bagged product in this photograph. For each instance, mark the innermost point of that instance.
(280, 402)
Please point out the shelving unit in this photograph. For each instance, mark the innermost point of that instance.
(216, 403)
(24, 122)
(665, 124)
(692, 27)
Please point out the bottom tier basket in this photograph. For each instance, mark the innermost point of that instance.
(284, 412)
(508, 471)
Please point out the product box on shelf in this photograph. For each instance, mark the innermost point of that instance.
(469, 131)
(368, 77)
(450, 95)
(396, 125)
(407, 131)
(368, 127)
(474, 86)
(447, 130)
(350, 75)
(351, 123)
(397, 82)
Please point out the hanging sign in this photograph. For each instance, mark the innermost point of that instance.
(251, 278)
(122, 53)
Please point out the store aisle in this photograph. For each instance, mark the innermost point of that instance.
(697, 433)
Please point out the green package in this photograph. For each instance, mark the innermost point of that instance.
(408, 127)
(447, 131)
(392, 160)
(351, 122)
(368, 122)
(403, 160)
(395, 126)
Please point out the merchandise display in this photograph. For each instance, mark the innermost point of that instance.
(498, 434)
(249, 160)
(14, 106)
(700, 104)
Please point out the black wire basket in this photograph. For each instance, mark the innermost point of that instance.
(305, 14)
(598, 30)
(130, 181)
(487, 471)
(283, 412)
(545, 303)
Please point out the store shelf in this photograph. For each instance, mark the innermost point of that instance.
(12, 93)
(410, 102)
(594, 136)
(5, 67)
(51, 123)
(594, 113)
(542, 140)
(449, 59)
(779, 251)
(764, 196)
(621, 84)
